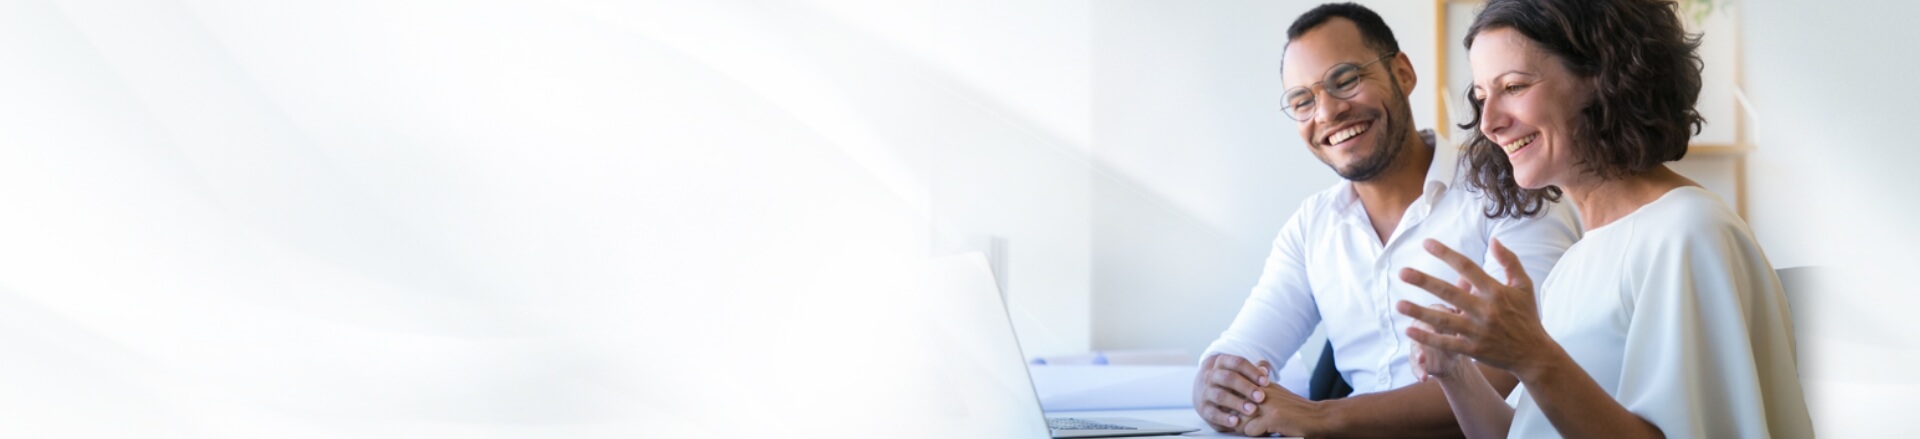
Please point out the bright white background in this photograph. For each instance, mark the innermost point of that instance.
(593, 218)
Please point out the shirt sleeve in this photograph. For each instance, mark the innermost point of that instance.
(1280, 313)
(1538, 241)
(1709, 348)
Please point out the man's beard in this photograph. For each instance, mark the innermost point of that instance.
(1386, 151)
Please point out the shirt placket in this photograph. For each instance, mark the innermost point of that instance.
(1382, 296)
(1383, 279)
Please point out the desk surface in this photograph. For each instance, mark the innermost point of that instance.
(1182, 416)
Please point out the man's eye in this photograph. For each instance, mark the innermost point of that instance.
(1299, 102)
(1345, 81)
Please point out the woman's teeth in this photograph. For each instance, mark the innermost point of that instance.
(1348, 133)
(1515, 145)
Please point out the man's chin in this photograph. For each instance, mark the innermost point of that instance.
(1352, 173)
(1361, 170)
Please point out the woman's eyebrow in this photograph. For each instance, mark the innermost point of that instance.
(1502, 75)
(1512, 72)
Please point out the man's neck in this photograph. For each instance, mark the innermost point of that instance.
(1387, 195)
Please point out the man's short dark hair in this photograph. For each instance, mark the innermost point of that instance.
(1373, 31)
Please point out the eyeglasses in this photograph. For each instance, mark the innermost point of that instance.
(1341, 82)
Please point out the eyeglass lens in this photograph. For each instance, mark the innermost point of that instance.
(1340, 82)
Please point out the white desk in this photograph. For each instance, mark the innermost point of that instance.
(1182, 416)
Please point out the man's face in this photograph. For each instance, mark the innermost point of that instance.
(1361, 135)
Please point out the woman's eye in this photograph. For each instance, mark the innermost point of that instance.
(1515, 88)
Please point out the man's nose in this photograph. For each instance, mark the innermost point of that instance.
(1330, 107)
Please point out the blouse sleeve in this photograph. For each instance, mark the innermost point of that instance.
(1709, 346)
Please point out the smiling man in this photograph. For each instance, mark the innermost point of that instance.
(1334, 260)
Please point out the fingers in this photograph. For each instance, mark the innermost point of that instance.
(1230, 382)
(1429, 362)
(1252, 377)
(1438, 320)
(1420, 363)
(1227, 399)
(1254, 428)
(1228, 389)
(1516, 274)
(1453, 344)
(1452, 294)
(1254, 373)
(1220, 420)
(1462, 265)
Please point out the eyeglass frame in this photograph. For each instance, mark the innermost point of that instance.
(1287, 109)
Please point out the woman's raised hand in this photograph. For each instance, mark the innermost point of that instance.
(1496, 323)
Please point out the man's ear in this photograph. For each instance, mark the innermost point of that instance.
(1403, 71)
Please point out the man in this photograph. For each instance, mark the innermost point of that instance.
(1334, 260)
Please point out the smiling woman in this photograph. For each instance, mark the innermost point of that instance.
(1666, 319)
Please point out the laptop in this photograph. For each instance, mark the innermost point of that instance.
(981, 336)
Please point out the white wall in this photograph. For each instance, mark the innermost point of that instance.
(986, 101)
(1196, 167)
(1018, 173)
(1831, 183)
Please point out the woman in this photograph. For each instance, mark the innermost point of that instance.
(1666, 318)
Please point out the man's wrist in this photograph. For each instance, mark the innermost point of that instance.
(1322, 417)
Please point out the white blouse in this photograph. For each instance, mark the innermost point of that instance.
(1674, 310)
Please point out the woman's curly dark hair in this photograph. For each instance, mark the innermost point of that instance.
(1644, 70)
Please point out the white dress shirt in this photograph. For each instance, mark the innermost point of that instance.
(1329, 265)
(1675, 312)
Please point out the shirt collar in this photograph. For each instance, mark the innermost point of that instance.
(1444, 168)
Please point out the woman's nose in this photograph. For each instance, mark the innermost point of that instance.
(1493, 116)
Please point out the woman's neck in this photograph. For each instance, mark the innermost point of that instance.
(1601, 202)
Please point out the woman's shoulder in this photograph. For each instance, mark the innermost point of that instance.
(1688, 213)
(1691, 227)
(1690, 237)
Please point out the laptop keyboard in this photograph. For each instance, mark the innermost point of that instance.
(1082, 424)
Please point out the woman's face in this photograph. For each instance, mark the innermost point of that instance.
(1531, 102)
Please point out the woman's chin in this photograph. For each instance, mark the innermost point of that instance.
(1530, 181)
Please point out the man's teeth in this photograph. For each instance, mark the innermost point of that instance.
(1515, 145)
(1348, 133)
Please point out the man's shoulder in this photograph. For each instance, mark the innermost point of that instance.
(1326, 201)
(1317, 211)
